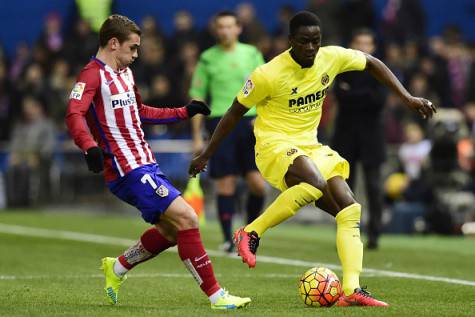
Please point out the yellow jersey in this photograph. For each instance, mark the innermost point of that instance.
(289, 98)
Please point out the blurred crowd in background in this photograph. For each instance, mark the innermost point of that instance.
(430, 166)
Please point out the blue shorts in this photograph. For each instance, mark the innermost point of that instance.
(235, 155)
(146, 188)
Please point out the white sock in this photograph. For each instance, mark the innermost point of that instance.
(119, 269)
(217, 295)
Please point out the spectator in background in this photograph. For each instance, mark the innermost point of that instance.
(403, 20)
(151, 62)
(31, 150)
(162, 94)
(466, 146)
(436, 75)
(33, 82)
(51, 39)
(283, 17)
(414, 152)
(150, 28)
(409, 189)
(469, 111)
(419, 84)
(359, 132)
(5, 102)
(252, 29)
(412, 54)
(395, 59)
(19, 62)
(439, 74)
(40, 56)
(355, 14)
(329, 13)
(206, 36)
(184, 31)
(59, 82)
(80, 44)
(188, 59)
(458, 66)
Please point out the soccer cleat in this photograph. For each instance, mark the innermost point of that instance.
(227, 301)
(113, 281)
(246, 245)
(359, 298)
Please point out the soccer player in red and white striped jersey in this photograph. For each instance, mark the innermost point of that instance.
(105, 116)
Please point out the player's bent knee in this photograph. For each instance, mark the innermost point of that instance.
(258, 188)
(188, 219)
(318, 183)
(181, 215)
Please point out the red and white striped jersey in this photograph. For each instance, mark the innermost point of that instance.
(113, 109)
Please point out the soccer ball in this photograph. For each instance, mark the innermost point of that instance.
(319, 287)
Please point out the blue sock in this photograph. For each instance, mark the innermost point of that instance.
(226, 207)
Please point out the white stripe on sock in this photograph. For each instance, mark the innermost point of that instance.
(119, 269)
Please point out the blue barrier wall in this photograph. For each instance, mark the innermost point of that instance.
(22, 20)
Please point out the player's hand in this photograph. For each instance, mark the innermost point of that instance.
(95, 159)
(196, 106)
(425, 108)
(197, 165)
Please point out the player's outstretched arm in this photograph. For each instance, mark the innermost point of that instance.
(384, 75)
(154, 115)
(162, 115)
(225, 126)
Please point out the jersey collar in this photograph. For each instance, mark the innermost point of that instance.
(105, 66)
(97, 60)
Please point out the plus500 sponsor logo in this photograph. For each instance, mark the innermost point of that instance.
(122, 100)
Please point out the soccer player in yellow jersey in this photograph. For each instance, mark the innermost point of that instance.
(288, 93)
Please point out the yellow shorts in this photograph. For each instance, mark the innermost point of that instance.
(273, 160)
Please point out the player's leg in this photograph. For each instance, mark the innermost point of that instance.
(224, 170)
(305, 185)
(373, 184)
(255, 200)
(349, 245)
(146, 189)
(226, 202)
(247, 162)
(348, 242)
(151, 243)
(191, 251)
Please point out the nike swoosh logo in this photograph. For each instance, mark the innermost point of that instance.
(109, 82)
(200, 258)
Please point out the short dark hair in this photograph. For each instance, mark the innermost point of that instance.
(117, 26)
(303, 18)
(226, 13)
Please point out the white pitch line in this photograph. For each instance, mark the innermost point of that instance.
(138, 275)
(100, 239)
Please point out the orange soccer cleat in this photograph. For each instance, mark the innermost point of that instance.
(360, 298)
(246, 245)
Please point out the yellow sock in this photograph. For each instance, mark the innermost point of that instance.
(284, 207)
(349, 246)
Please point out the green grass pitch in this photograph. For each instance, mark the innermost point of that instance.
(51, 276)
